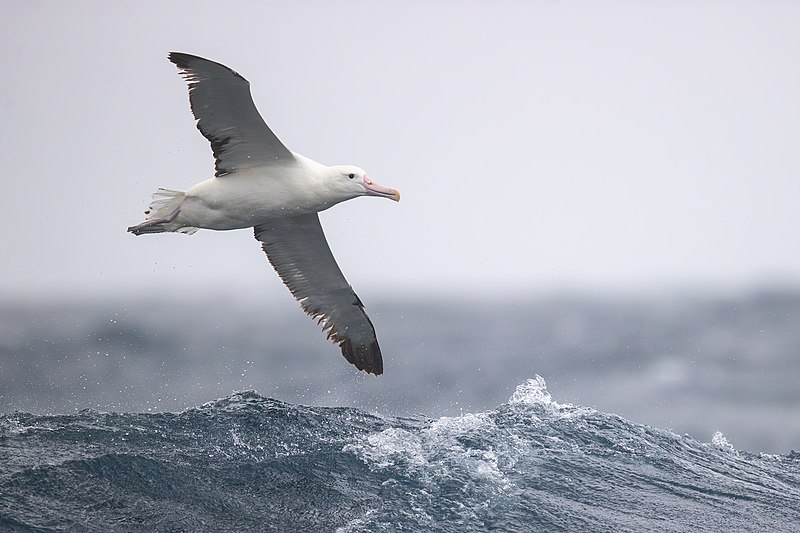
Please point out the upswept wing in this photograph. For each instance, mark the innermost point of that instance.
(297, 249)
(226, 115)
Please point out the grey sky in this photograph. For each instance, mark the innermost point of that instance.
(541, 144)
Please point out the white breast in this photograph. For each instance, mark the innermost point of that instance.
(250, 197)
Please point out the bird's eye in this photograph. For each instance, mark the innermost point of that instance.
(351, 176)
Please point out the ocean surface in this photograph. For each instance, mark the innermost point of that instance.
(689, 363)
(250, 463)
(671, 413)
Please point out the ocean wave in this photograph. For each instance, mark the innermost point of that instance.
(247, 462)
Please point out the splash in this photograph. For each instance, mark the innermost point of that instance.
(722, 443)
(532, 392)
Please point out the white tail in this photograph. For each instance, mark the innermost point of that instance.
(165, 202)
(163, 209)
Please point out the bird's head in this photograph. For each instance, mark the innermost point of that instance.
(351, 181)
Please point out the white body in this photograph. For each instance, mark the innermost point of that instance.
(250, 197)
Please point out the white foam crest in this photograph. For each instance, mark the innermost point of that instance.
(719, 441)
(391, 446)
(12, 426)
(457, 425)
(436, 451)
(532, 392)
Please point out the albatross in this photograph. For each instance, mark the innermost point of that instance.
(260, 183)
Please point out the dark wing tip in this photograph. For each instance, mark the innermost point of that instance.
(366, 357)
(180, 59)
(184, 62)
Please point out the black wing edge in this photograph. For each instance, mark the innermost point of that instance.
(183, 61)
(366, 357)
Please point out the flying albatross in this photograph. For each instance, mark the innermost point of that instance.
(260, 183)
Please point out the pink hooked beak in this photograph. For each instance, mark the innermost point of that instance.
(373, 189)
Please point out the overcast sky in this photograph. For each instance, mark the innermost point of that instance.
(536, 144)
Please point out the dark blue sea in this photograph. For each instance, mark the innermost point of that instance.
(665, 414)
(250, 463)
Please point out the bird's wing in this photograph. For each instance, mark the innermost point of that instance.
(227, 117)
(298, 251)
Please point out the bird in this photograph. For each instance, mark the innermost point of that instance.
(260, 183)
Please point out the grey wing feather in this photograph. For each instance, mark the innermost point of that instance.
(297, 249)
(226, 115)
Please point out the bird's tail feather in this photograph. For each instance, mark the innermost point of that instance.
(165, 202)
(163, 209)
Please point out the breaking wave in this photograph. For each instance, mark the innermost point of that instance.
(250, 463)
